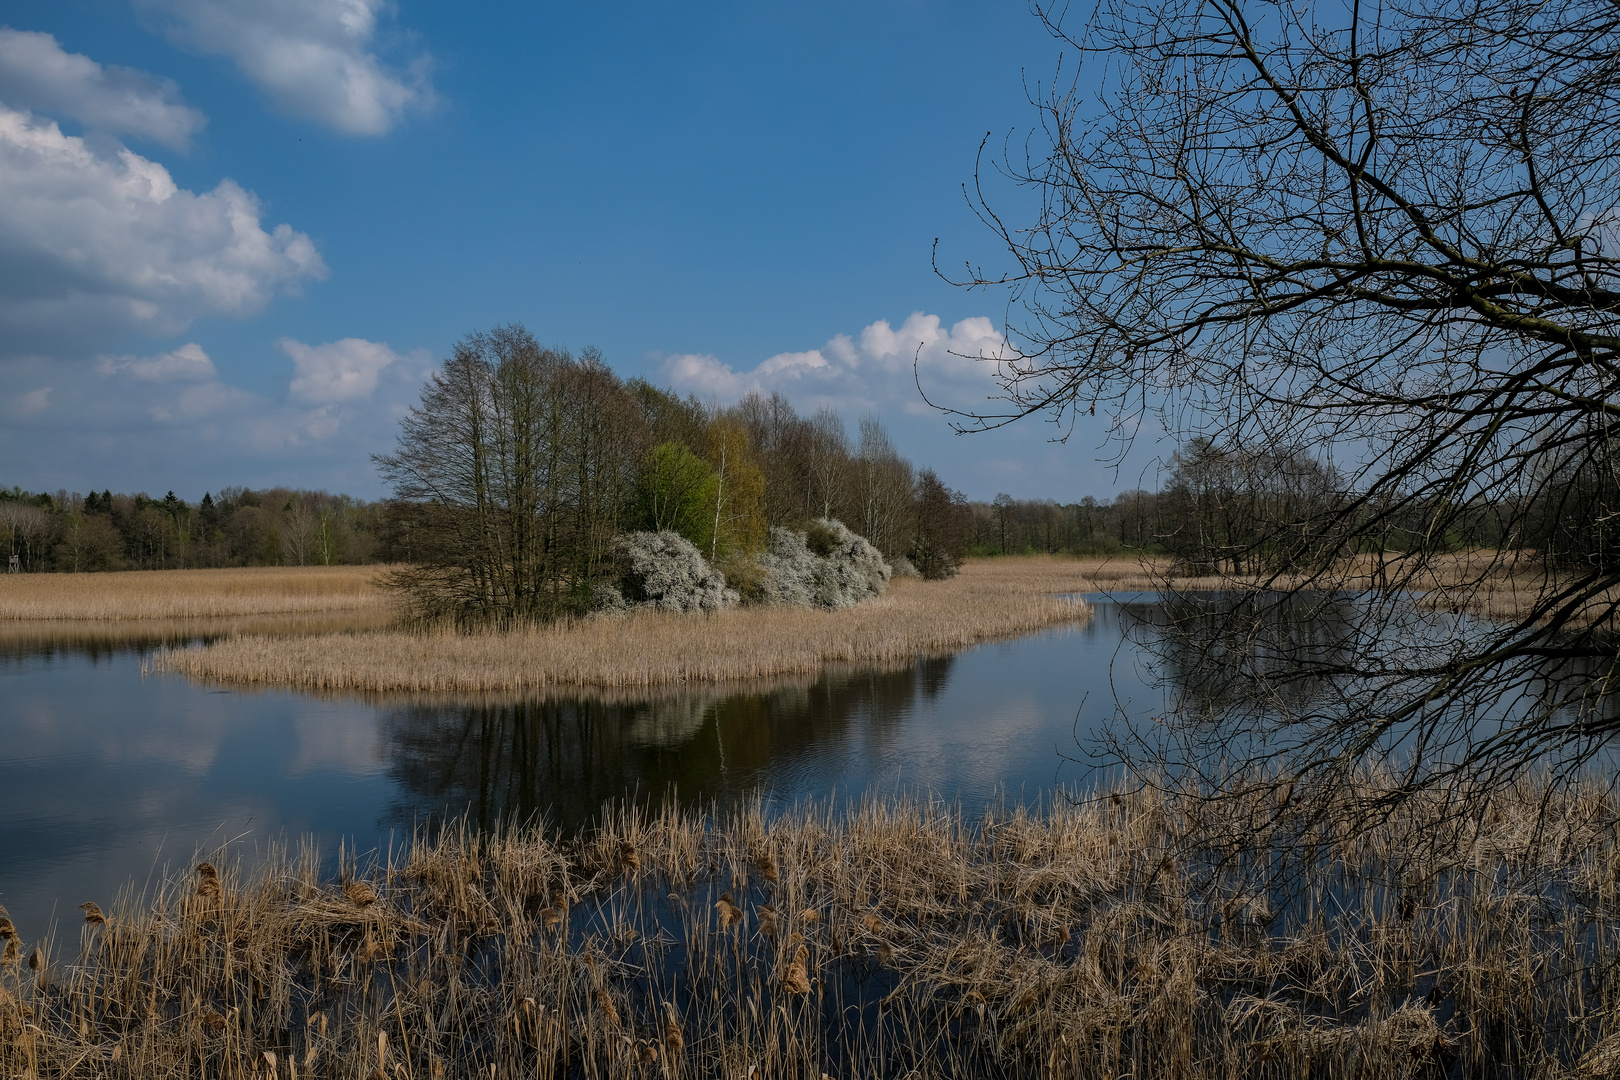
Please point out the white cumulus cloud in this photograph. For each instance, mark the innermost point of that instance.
(881, 366)
(339, 371)
(313, 58)
(175, 419)
(95, 242)
(37, 73)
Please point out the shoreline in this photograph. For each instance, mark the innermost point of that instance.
(989, 600)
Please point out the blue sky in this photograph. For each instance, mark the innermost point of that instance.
(236, 234)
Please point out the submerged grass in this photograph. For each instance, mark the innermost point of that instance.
(192, 594)
(989, 599)
(1108, 938)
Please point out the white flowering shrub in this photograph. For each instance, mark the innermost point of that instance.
(903, 567)
(827, 566)
(664, 571)
(607, 600)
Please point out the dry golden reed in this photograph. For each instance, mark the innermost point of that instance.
(989, 599)
(193, 594)
(1017, 944)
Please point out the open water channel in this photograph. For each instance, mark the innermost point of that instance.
(109, 776)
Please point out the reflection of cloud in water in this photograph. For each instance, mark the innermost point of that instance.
(335, 740)
(1014, 723)
(187, 739)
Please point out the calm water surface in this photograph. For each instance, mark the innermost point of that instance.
(107, 776)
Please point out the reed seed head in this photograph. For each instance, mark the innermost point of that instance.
(730, 913)
(674, 1041)
(36, 959)
(92, 913)
(796, 976)
(604, 1003)
(362, 894)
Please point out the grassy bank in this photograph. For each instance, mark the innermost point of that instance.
(1110, 939)
(192, 594)
(990, 599)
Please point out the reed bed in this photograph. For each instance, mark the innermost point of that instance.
(989, 599)
(98, 635)
(192, 594)
(1107, 938)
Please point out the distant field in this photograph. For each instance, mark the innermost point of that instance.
(991, 598)
(192, 594)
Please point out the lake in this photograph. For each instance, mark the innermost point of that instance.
(108, 776)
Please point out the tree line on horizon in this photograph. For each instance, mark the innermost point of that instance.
(1218, 509)
(572, 457)
(102, 531)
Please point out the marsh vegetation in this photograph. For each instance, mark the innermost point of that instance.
(990, 599)
(1122, 935)
(192, 594)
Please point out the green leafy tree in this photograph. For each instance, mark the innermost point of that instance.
(676, 492)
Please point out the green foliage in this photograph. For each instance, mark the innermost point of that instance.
(676, 492)
(736, 508)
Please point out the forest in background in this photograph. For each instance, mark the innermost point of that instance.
(1198, 511)
(630, 456)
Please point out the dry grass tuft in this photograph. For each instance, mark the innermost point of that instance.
(193, 594)
(1018, 945)
(990, 599)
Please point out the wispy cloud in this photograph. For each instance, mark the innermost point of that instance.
(316, 59)
(188, 363)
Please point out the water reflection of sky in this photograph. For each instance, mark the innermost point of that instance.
(106, 776)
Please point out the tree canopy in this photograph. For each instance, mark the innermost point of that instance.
(523, 467)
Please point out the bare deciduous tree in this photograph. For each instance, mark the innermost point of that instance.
(1384, 237)
(512, 472)
(27, 529)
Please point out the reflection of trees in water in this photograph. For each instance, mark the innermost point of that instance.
(565, 758)
(1219, 651)
(1280, 679)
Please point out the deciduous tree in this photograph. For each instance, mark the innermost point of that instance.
(1379, 235)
